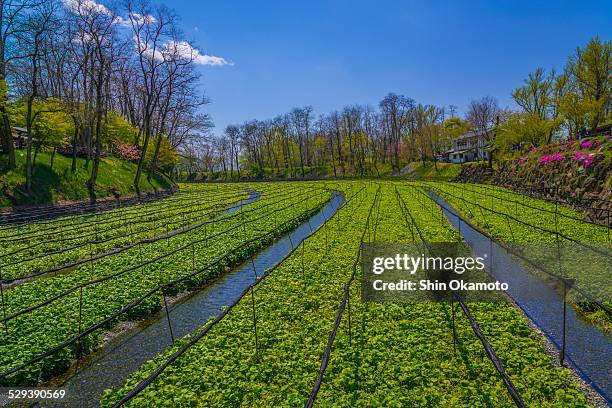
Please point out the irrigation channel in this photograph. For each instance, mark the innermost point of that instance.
(124, 354)
(586, 347)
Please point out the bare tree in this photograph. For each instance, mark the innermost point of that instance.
(152, 30)
(396, 113)
(38, 23)
(14, 21)
(483, 114)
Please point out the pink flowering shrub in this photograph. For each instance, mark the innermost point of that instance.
(584, 154)
(550, 158)
(585, 160)
(544, 159)
(125, 150)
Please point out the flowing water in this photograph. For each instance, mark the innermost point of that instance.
(125, 354)
(587, 348)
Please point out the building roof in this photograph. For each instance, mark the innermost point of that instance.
(469, 135)
(461, 151)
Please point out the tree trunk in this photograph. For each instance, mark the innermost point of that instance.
(36, 150)
(29, 145)
(53, 157)
(155, 156)
(73, 166)
(7, 138)
(237, 163)
(91, 183)
(141, 162)
(331, 149)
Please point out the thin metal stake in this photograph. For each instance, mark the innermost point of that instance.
(564, 314)
(453, 321)
(254, 270)
(80, 320)
(303, 275)
(490, 255)
(348, 302)
(326, 246)
(254, 320)
(90, 259)
(556, 220)
(290, 240)
(168, 315)
(193, 257)
(3, 304)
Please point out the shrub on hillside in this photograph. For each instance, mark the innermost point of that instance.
(125, 150)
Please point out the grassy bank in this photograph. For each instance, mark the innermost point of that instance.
(59, 183)
(428, 170)
(414, 170)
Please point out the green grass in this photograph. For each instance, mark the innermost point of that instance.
(51, 185)
(442, 171)
(325, 171)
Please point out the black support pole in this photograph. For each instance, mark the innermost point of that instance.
(254, 320)
(167, 315)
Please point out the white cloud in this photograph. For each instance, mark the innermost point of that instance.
(91, 6)
(187, 51)
(86, 6)
(140, 19)
(181, 48)
(123, 22)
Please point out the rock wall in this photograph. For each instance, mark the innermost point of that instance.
(587, 188)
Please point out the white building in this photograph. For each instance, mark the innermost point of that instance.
(468, 147)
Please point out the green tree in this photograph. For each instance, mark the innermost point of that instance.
(590, 78)
(167, 157)
(525, 129)
(118, 128)
(51, 123)
(454, 127)
(540, 120)
(536, 95)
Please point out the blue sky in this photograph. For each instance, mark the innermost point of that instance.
(332, 53)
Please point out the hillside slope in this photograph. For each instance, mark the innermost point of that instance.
(52, 185)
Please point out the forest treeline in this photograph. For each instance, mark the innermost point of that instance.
(90, 79)
(363, 140)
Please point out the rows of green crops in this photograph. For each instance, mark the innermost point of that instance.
(119, 279)
(542, 216)
(584, 262)
(398, 354)
(29, 250)
(185, 195)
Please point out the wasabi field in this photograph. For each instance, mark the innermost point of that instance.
(297, 332)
